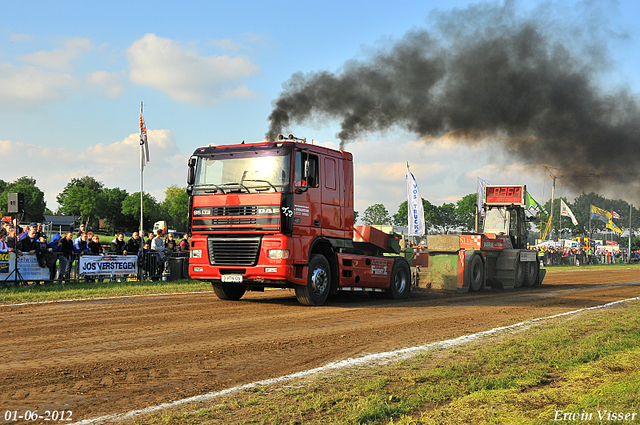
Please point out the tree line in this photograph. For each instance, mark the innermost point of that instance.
(90, 201)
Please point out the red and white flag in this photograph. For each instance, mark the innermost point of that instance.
(614, 214)
(144, 143)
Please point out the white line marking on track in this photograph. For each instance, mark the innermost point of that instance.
(341, 364)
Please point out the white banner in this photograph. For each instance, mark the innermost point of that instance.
(481, 185)
(28, 267)
(566, 211)
(109, 265)
(415, 207)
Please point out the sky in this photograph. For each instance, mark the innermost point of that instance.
(73, 74)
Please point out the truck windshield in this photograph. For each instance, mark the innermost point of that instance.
(243, 172)
(496, 221)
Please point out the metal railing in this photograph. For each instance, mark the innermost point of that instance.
(151, 265)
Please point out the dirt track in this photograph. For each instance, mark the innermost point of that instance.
(112, 356)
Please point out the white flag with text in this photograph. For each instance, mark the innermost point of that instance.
(566, 211)
(415, 207)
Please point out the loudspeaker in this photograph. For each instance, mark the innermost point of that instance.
(15, 203)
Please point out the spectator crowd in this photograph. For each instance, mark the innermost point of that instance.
(59, 253)
(551, 256)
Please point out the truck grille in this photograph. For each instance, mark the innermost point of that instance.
(223, 211)
(264, 218)
(233, 251)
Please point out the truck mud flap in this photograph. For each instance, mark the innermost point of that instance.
(505, 274)
(541, 275)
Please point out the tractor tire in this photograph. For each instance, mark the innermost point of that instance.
(400, 283)
(476, 274)
(532, 270)
(520, 273)
(316, 291)
(229, 291)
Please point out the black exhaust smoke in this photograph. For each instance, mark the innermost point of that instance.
(484, 76)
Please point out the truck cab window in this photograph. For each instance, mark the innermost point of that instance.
(306, 170)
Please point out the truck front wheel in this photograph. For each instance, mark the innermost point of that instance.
(316, 291)
(400, 284)
(229, 291)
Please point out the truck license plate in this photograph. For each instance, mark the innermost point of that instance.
(233, 278)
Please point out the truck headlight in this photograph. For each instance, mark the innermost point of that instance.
(196, 253)
(278, 254)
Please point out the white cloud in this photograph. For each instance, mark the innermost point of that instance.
(27, 86)
(59, 59)
(184, 75)
(20, 38)
(247, 42)
(226, 44)
(116, 165)
(108, 83)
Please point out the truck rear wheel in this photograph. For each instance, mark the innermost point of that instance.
(229, 291)
(476, 274)
(532, 270)
(520, 273)
(316, 291)
(400, 284)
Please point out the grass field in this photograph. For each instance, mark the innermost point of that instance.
(60, 291)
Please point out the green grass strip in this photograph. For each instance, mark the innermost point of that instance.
(83, 289)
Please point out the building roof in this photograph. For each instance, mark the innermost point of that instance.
(59, 220)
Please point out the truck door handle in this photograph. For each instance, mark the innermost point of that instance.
(316, 223)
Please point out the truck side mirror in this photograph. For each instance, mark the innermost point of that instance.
(191, 174)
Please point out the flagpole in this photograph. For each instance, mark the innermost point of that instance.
(629, 253)
(141, 181)
(589, 223)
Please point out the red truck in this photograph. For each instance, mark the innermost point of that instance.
(281, 214)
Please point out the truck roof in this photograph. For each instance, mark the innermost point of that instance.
(267, 145)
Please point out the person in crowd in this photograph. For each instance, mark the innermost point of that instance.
(49, 256)
(80, 244)
(39, 230)
(81, 230)
(56, 246)
(150, 237)
(3, 242)
(13, 242)
(25, 233)
(118, 245)
(16, 225)
(133, 244)
(170, 243)
(184, 243)
(94, 245)
(30, 243)
(66, 247)
(157, 243)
